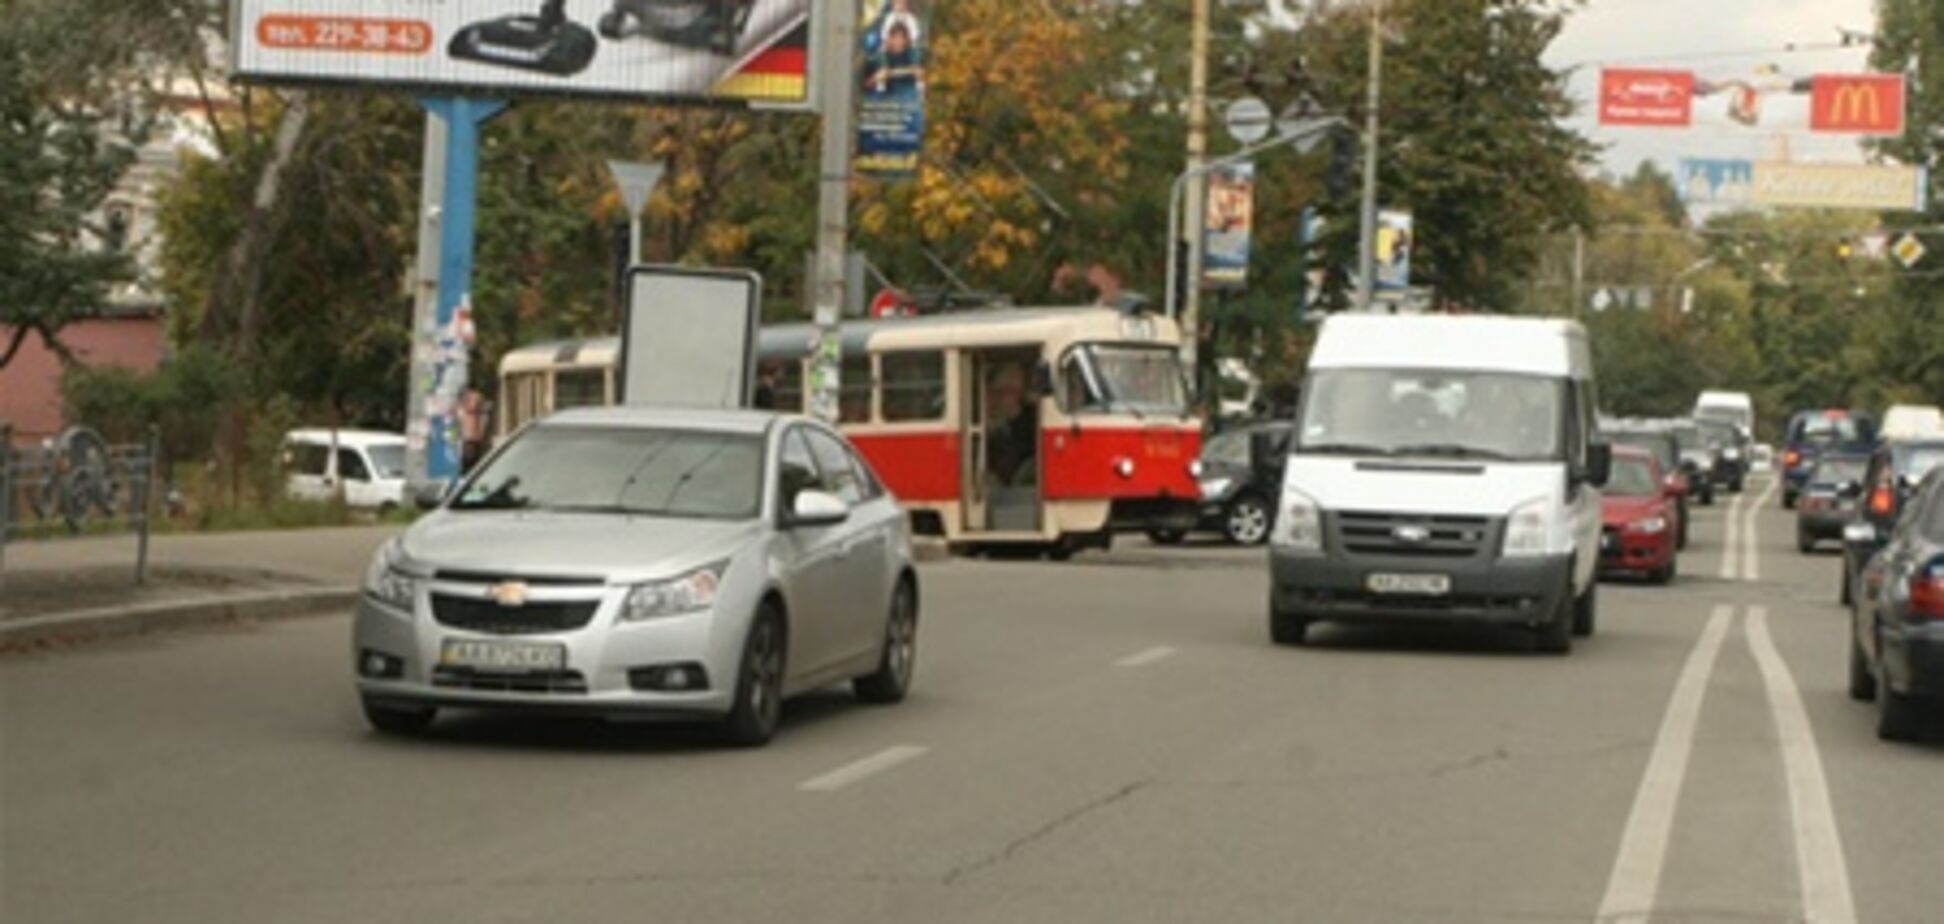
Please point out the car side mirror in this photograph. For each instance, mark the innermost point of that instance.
(817, 508)
(1599, 463)
(430, 496)
(1861, 533)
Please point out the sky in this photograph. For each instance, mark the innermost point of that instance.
(1718, 40)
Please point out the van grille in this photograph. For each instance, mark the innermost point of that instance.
(1396, 534)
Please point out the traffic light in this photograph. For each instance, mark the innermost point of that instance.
(1343, 164)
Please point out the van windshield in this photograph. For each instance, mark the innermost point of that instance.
(1487, 415)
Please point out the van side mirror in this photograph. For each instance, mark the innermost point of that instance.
(1599, 463)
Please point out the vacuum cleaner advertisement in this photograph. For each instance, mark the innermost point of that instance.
(754, 51)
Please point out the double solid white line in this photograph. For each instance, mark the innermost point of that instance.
(1634, 885)
(1741, 547)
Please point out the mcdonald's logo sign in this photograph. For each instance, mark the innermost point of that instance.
(1858, 104)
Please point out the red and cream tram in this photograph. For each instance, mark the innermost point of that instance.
(1052, 427)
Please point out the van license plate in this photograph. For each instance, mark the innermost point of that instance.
(509, 657)
(1416, 585)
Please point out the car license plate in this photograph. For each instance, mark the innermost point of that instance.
(1418, 585)
(510, 657)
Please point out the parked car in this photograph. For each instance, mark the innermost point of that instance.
(365, 467)
(1828, 499)
(1895, 470)
(1238, 486)
(636, 562)
(1812, 433)
(1638, 519)
(1897, 621)
(1445, 469)
(1698, 460)
(1666, 450)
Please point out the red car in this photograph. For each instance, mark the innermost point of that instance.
(1640, 520)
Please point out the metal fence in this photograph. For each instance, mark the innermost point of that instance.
(76, 483)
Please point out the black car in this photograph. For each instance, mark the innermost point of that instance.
(1666, 450)
(1731, 451)
(1812, 433)
(1828, 499)
(1698, 460)
(1897, 621)
(1239, 485)
(1893, 473)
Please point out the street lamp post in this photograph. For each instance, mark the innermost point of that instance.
(1367, 228)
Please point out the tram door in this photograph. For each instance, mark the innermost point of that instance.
(1001, 436)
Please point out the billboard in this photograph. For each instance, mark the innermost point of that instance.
(891, 94)
(1646, 97)
(689, 338)
(751, 51)
(1712, 182)
(1841, 186)
(1858, 104)
(1226, 239)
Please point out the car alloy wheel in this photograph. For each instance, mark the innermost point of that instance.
(892, 680)
(1247, 522)
(758, 708)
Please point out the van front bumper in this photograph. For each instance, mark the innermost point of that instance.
(1336, 588)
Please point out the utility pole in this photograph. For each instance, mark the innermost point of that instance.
(1197, 219)
(836, 84)
(1579, 272)
(1367, 233)
(425, 306)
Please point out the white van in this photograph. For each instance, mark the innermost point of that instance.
(1735, 407)
(1444, 469)
(1912, 422)
(368, 464)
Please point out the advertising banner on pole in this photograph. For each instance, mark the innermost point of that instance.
(1713, 182)
(1858, 104)
(719, 51)
(1646, 97)
(1394, 246)
(689, 339)
(1230, 228)
(891, 99)
(1841, 186)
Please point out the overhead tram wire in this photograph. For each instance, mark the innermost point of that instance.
(1703, 56)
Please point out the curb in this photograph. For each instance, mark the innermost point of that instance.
(176, 614)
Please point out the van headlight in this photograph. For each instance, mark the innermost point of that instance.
(1299, 523)
(694, 592)
(1528, 531)
(385, 583)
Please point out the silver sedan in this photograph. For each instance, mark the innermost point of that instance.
(663, 564)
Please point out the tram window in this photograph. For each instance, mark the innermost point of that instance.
(914, 386)
(579, 388)
(854, 397)
(1076, 392)
(785, 379)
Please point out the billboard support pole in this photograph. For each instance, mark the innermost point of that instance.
(425, 303)
(836, 89)
(446, 340)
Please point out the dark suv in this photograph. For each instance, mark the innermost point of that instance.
(1896, 649)
(1893, 473)
(1812, 433)
(1731, 451)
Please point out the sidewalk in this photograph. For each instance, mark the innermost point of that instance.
(67, 588)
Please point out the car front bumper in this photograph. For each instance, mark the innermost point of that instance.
(1487, 590)
(594, 680)
(1637, 553)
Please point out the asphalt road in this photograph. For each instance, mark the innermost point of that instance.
(1110, 740)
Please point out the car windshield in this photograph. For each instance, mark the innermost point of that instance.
(1140, 379)
(1718, 433)
(389, 460)
(1917, 461)
(1231, 448)
(1838, 471)
(1434, 412)
(1825, 430)
(1632, 477)
(1662, 449)
(649, 472)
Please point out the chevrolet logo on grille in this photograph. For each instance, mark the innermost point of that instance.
(508, 593)
(1415, 535)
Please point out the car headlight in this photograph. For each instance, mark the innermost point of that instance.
(1299, 524)
(1731, 454)
(1215, 487)
(384, 582)
(1196, 468)
(1528, 531)
(1648, 527)
(694, 592)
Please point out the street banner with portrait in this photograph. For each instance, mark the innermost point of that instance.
(717, 51)
(1394, 246)
(891, 96)
(1230, 228)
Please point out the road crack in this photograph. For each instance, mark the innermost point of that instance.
(960, 872)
